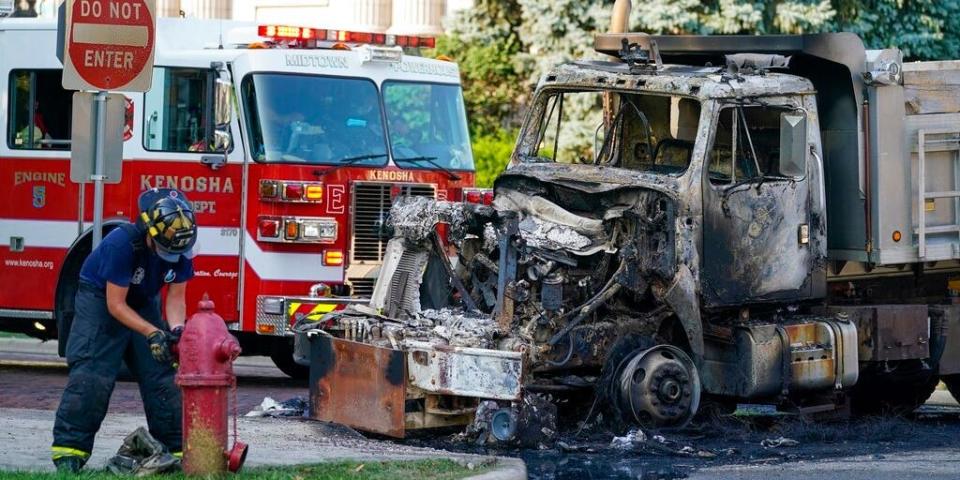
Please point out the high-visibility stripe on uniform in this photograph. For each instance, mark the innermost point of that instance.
(60, 452)
(177, 454)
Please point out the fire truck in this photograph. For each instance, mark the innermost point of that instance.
(291, 143)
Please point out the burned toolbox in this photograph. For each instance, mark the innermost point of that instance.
(890, 332)
(418, 385)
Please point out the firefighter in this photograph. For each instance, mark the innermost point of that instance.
(118, 319)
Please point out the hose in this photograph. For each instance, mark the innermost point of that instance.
(606, 293)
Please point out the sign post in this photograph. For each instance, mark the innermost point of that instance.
(109, 45)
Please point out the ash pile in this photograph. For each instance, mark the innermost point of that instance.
(501, 313)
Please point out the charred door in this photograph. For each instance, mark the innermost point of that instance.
(756, 208)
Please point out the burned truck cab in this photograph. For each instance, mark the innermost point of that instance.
(695, 215)
(659, 240)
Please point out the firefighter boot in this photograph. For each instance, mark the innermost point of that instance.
(69, 463)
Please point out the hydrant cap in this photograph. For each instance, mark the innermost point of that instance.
(205, 305)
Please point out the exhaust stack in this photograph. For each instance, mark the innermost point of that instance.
(620, 21)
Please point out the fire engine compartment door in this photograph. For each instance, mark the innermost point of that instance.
(756, 227)
(358, 385)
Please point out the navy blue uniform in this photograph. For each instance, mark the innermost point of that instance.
(99, 343)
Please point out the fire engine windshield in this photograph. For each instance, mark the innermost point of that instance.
(314, 119)
(428, 125)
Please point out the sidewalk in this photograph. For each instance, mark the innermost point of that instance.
(25, 437)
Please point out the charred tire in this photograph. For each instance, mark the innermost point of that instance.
(953, 385)
(282, 357)
(898, 392)
(657, 387)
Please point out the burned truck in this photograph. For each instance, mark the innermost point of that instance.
(771, 219)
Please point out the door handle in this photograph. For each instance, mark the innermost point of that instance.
(215, 162)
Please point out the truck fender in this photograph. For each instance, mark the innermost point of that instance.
(681, 297)
(68, 279)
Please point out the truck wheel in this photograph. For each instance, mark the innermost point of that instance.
(657, 387)
(897, 393)
(283, 359)
(953, 384)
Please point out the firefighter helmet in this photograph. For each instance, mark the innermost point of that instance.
(166, 216)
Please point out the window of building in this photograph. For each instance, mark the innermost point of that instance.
(177, 113)
(40, 111)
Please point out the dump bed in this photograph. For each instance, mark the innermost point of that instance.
(914, 152)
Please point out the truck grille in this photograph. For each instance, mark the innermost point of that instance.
(362, 287)
(371, 205)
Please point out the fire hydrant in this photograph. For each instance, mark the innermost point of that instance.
(206, 353)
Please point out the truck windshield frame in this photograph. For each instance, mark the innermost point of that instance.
(430, 133)
(319, 119)
(651, 132)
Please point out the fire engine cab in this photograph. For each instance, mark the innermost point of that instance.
(291, 143)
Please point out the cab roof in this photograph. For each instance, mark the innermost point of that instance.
(703, 82)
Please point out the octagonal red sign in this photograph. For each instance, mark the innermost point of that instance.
(109, 45)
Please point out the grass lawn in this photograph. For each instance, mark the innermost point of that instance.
(418, 470)
(12, 335)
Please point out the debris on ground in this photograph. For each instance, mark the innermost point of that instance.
(141, 455)
(778, 442)
(637, 440)
(629, 441)
(294, 407)
(530, 423)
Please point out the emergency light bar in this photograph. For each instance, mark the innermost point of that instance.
(302, 34)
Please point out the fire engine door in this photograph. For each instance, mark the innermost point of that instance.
(190, 137)
(756, 207)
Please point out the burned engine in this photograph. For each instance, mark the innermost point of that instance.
(555, 287)
(568, 271)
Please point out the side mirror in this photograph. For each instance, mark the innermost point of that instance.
(222, 115)
(793, 142)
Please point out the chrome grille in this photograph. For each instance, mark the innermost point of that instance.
(371, 205)
(362, 287)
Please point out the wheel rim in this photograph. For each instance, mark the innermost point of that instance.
(658, 387)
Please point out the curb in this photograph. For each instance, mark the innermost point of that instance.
(506, 469)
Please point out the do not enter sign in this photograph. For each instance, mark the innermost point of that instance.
(109, 45)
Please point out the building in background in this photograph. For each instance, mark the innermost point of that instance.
(401, 17)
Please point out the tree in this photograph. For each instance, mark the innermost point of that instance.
(922, 29)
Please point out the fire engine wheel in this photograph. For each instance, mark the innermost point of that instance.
(953, 384)
(283, 359)
(657, 387)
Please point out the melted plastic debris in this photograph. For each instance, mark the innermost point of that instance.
(414, 218)
(778, 442)
(294, 407)
(629, 441)
(541, 234)
(459, 329)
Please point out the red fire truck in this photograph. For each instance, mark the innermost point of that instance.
(291, 143)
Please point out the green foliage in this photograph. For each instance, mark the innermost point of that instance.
(492, 88)
(922, 29)
(491, 153)
(505, 46)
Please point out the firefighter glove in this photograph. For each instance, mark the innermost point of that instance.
(175, 334)
(160, 342)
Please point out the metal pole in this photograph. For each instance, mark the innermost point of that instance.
(101, 103)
